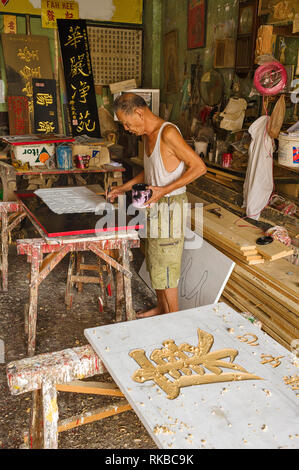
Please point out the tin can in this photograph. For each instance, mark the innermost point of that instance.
(226, 160)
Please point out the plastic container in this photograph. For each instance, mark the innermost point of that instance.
(64, 157)
(288, 150)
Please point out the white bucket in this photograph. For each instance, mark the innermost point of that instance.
(201, 148)
(288, 150)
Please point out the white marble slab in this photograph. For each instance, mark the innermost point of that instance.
(241, 414)
(204, 274)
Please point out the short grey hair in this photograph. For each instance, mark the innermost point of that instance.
(128, 102)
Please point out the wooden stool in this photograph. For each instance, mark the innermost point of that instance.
(46, 374)
(114, 178)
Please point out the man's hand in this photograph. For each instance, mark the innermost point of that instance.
(158, 193)
(115, 192)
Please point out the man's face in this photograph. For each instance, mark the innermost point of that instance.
(133, 123)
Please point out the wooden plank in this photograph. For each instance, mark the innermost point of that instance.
(277, 320)
(273, 251)
(95, 388)
(277, 296)
(230, 251)
(89, 417)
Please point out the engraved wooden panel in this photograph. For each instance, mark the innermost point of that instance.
(116, 54)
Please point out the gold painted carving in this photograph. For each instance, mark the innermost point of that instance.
(252, 342)
(186, 364)
(293, 381)
(268, 359)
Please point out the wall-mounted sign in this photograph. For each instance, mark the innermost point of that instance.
(53, 10)
(78, 77)
(118, 11)
(45, 106)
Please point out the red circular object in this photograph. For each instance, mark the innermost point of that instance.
(267, 72)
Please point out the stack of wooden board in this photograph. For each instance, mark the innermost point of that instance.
(268, 291)
(238, 237)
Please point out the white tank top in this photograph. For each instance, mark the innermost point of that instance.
(154, 171)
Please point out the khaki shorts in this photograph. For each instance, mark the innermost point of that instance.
(165, 241)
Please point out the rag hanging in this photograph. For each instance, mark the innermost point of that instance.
(258, 184)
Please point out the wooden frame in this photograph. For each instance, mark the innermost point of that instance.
(196, 23)
(246, 36)
(171, 62)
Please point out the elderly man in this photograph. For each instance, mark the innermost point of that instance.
(169, 165)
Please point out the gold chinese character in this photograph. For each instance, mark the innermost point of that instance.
(85, 124)
(268, 359)
(28, 55)
(180, 363)
(253, 342)
(83, 90)
(75, 36)
(77, 66)
(46, 126)
(44, 99)
(293, 381)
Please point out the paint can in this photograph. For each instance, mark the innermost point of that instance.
(201, 148)
(64, 157)
(226, 160)
(288, 150)
(140, 195)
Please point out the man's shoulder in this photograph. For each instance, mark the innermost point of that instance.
(170, 131)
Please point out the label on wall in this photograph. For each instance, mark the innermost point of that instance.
(78, 77)
(53, 10)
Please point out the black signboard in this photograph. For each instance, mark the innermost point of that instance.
(45, 106)
(78, 77)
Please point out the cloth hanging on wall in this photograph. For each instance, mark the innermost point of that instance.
(258, 184)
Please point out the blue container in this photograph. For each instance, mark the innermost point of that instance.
(64, 157)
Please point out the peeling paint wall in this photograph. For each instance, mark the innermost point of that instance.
(221, 22)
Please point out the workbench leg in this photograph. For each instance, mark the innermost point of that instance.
(79, 272)
(4, 251)
(119, 296)
(103, 297)
(32, 313)
(50, 415)
(69, 290)
(36, 433)
(130, 313)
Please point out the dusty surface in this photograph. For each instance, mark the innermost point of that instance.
(58, 329)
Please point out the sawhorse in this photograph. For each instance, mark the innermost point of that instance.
(55, 251)
(46, 374)
(11, 214)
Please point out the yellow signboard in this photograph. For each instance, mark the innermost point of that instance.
(53, 10)
(120, 11)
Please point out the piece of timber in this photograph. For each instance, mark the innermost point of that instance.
(267, 300)
(273, 251)
(279, 322)
(231, 298)
(95, 388)
(260, 315)
(277, 296)
(229, 250)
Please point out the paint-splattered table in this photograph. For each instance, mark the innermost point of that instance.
(56, 250)
(204, 378)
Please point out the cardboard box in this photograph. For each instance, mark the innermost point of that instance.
(98, 152)
(34, 154)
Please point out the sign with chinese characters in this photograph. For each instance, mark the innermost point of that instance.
(45, 106)
(26, 57)
(10, 24)
(203, 378)
(116, 54)
(18, 116)
(53, 10)
(79, 77)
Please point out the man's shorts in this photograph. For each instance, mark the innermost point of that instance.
(166, 222)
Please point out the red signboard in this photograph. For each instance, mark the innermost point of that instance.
(196, 23)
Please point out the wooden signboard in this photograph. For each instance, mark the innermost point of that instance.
(204, 378)
(79, 77)
(45, 106)
(18, 115)
(25, 57)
